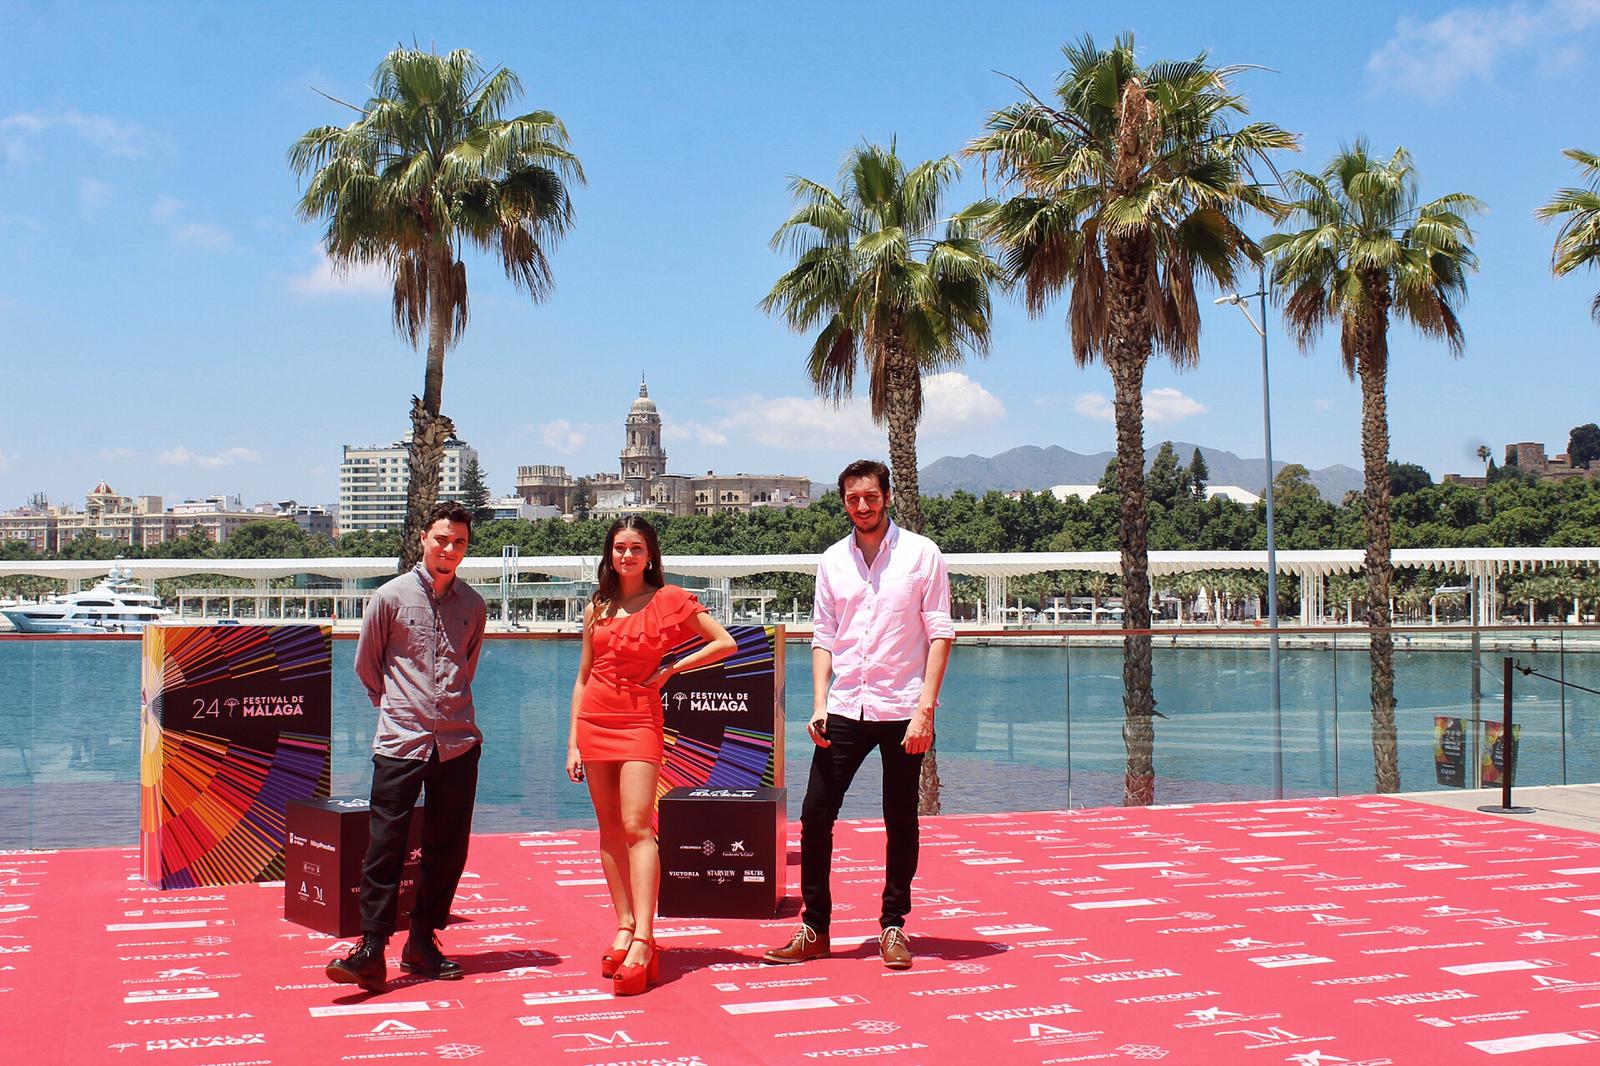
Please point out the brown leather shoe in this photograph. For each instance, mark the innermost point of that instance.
(802, 947)
(895, 948)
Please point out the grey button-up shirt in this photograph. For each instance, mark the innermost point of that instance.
(416, 657)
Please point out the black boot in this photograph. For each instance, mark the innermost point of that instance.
(364, 965)
(421, 955)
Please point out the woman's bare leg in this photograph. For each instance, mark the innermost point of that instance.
(638, 805)
(605, 791)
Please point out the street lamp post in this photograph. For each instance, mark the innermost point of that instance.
(1238, 301)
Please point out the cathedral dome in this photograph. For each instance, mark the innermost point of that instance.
(644, 405)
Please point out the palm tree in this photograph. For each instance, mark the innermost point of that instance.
(428, 166)
(890, 294)
(887, 292)
(1578, 240)
(1130, 184)
(1368, 250)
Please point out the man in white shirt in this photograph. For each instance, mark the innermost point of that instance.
(881, 636)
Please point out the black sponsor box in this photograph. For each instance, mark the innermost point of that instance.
(723, 852)
(326, 842)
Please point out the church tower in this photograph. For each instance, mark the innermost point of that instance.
(642, 456)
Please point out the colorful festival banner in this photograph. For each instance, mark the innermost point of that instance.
(1449, 751)
(235, 722)
(724, 723)
(1494, 761)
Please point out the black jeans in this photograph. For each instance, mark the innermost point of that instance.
(451, 789)
(832, 770)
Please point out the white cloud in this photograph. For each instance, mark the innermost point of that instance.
(327, 279)
(563, 436)
(1432, 58)
(1170, 405)
(691, 430)
(202, 235)
(181, 456)
(121, 138)
(171, 211)
(1095, 405)
(1160, 405)
(951, 404)
(802, 423)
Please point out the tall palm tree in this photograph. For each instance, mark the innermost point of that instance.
(1130, 184)
(427, 167)
(891, 294)
(1578, 240)
(1366, 249)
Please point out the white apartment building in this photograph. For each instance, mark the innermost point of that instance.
(373, 481)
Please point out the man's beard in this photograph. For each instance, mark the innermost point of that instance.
(881, 520)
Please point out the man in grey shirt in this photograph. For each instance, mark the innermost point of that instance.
(420, 637)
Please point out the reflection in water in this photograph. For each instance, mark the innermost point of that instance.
(69, 731)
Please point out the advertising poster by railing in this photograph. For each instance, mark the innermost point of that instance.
(1449, 751)
(235, 723)
(724, 723)
(1494, 753)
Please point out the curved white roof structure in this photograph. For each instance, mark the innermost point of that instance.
(1485, 561)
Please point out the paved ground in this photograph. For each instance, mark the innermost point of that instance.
(1563, 806)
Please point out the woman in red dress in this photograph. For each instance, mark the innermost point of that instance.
(633, 619)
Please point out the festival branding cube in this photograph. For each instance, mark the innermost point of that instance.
(723, 852)
(322, 864)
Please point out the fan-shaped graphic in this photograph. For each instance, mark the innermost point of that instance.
(235, 724)
(709, 741)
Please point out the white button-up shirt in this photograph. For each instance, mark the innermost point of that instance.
(878, 620)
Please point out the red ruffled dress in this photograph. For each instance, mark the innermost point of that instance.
(619, 719)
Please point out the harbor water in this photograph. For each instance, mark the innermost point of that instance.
(1021, 727)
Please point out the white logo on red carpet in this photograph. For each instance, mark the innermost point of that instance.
(170, 995)
(864, 1052)
(1299, 958)
(458, 1051)
(1272, 1036)
(200, 1043)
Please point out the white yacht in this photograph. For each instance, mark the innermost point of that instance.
(118, 604)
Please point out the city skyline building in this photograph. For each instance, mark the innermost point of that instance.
(144, 521)
(373, 480)
(643, 485)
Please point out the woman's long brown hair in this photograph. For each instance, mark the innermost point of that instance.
(609, 584)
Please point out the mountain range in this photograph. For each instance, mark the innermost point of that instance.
(1032, 467)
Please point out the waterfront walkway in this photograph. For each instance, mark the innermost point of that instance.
(1362, 930)
(1561, 806)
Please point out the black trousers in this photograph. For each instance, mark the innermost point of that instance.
(832, 770)
(450, 788)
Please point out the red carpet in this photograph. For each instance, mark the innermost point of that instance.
(1352, 931)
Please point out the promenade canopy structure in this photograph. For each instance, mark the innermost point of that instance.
(1479, 566)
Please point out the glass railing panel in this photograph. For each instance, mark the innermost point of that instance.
(1579, 712)
(1027, 721)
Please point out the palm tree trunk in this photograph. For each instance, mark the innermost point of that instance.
(429, 435)
(1127, 353)
(1373, 367)
(900, 408)
(430, 430)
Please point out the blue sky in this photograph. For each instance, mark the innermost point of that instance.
(167, 324)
